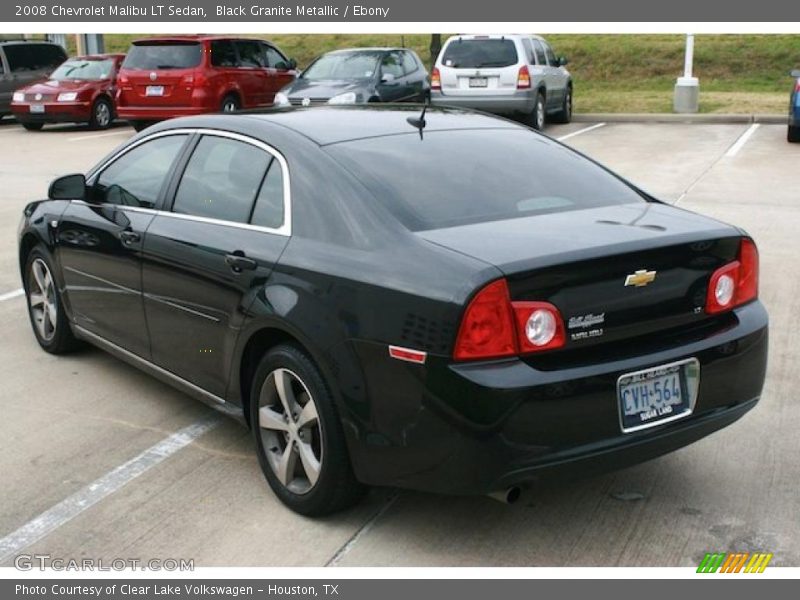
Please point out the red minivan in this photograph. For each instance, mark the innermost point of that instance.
(175, 76)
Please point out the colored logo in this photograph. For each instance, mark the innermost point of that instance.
(734, 562)
(640, 278)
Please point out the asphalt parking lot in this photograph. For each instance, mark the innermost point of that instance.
(69, 422)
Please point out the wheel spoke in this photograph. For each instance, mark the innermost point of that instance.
(310, 463)
(308, 416)
(40, 324)
(283, 384)
(285, 470)
(269, 419)
(39, 276)
(50, 309)
(36, 299)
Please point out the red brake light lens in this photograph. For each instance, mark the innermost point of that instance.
(487, 328)
(495, 327)
(735, 283)
(524, 78)
(436, 80)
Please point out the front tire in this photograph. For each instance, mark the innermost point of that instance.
(102, 114)
(140, 125)
(564, 115)
(298, 435)
(230, 104)
(45, 308)
(29, 126)
(793, 134)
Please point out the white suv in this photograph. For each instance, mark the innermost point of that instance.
(504, 74)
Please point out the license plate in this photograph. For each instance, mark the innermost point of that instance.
(478, 82)
(37, 108)
(657, 395)
(154, 90)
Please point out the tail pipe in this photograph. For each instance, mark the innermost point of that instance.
(507, 496)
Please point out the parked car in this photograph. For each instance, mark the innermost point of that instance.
(23, 62)
(81, 90)
(793, 135)
(175, 76)
(381, 312)
(357, 76)
(516, 75)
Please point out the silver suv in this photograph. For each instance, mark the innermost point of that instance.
(504, 74)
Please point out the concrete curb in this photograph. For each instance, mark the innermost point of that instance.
(678, 118)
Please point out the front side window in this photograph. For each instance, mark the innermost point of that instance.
(392, 64)
(221, 180)
(409, 63)
(551, 57)
(275, 59)
(540, 57)
(136, 178)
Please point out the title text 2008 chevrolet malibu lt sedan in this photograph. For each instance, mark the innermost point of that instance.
(449, 302)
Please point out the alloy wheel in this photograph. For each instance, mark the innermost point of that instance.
(539, 113)
(290, 431)
(42, 299)
(229, 106)
(102, 114)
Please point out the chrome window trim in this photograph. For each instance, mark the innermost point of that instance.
(284, 230)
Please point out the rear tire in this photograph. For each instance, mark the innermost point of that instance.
(564, 115)
(298, 435)
(536, 118)
(230, 103)
(793, 134)
(102, 114)
(32, 126)
(45, 308)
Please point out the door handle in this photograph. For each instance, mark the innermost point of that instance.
(129, 237)
(238, 262)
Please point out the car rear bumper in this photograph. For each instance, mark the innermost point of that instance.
(160, 113)
(61, 112)
(518, 102)
(480, 428)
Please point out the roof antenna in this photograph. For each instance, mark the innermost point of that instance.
(419, 122)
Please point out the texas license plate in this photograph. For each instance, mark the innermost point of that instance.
(37, 108)
(154, 90)
(657, 395)
(478, 82)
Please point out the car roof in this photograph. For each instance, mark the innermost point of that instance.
(494, 36)
(96, 56)
(330, 125)
(21, 42)
(199, 37)
(367, 49)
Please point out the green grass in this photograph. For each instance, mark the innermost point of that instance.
(620, 73)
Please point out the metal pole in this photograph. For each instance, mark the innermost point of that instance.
(687, 88)
(689, 58)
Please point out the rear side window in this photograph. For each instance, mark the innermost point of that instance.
(136, 178)
(163, 55)
(221, 180)
(223, 54)
(452, 178)
(268, 211)
(477, 54)
(33, 57)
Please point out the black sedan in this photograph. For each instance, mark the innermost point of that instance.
(449, 302)
(359, 76)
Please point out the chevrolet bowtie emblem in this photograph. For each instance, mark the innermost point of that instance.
(640, 278)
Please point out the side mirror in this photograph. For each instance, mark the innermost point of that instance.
(68, 187)
(562, 61)
(387, 78)
(292, 64)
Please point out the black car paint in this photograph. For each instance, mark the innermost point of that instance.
(350, 281)
(411, 87)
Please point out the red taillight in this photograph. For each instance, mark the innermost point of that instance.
(524, 78)
(436, 80)
(735, 283)
(487, 329)
(495, 327)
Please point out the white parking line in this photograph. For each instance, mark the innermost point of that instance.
(738, 144)
(92, 136)
(10, 295)
(10, 129)
(71, 507)
(580, 131)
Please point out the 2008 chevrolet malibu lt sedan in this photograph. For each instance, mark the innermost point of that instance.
(447, 301)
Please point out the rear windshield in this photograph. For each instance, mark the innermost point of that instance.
(480, 54)
(172, 55)
(452, 178)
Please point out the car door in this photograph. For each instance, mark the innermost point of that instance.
(556, 79)
(542, 71)
(208, 257)
(280, 72)
(391, 82)
(415, 77)
(99, 242)
(252, 73)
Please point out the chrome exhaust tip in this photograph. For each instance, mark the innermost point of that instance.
(507, 496)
